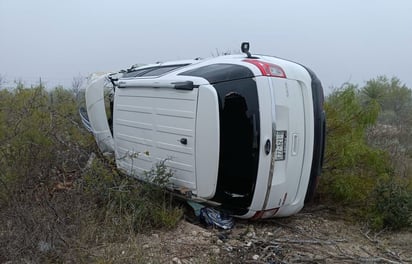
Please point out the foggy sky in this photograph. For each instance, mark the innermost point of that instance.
(341, 41)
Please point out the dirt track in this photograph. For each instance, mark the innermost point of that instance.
(315, 235)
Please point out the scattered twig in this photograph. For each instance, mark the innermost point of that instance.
(366, 235)
(393, 255)
(311, 241)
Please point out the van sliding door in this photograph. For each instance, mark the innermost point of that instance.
(153, 125)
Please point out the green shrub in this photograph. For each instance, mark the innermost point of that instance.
(351, 167)
(52, 209)
(42, 151)
(393, 204)
(359, 173)
(350, 189)
(141, 205)
(40, 139)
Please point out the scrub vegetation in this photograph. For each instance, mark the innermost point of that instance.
(59, 201)
(62, 201)
(368, 160)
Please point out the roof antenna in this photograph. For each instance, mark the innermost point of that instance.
(245, 49)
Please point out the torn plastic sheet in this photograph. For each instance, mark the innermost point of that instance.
(213, 217)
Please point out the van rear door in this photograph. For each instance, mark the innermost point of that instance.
(289, 141)
(154, 122)
(233, 133)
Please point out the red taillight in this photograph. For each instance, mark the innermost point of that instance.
(268, 69)
(265, 214)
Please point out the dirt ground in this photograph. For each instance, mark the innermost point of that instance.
(316, 235)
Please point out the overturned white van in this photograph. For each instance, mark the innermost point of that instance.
(242, 132)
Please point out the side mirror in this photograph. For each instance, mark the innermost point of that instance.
(245, 49)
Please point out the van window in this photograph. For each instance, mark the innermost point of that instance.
(220, 72)
(162, 70)
(152, 71)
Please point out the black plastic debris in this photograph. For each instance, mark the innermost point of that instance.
(215, 218)
(211, 217)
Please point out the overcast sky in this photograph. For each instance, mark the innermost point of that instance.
(341, 40)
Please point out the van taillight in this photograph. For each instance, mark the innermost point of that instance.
(268, 69)
(265, 214)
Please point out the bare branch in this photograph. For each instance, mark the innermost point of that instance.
(77, 83)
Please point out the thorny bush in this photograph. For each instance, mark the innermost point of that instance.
(359, 174)
(53, 207)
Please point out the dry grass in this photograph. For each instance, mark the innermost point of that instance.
(53, 209)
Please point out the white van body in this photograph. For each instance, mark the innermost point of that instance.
(245, 134)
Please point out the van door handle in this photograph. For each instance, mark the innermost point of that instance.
(295, 144)
(183, 141)
(267, 147)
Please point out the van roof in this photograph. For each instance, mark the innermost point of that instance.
(158, 70)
